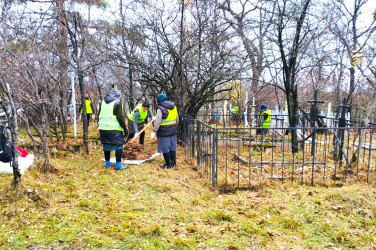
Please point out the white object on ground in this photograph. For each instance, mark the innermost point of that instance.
(367, 145)
(23, 164)
(135, 162)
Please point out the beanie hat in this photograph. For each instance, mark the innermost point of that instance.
(263, 106)
(86, 98)
(161, 98)
(146, 104)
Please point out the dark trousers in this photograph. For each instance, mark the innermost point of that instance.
(142, 137)
(118, 154)
(88, 119)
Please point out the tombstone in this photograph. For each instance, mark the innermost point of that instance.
(224, 116)
(328, 115)
(246, 110)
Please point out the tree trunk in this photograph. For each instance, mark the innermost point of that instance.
(46, 166)
(99, 90)
(63, 66)
(85, 136)
(14, 136)
(131, 91)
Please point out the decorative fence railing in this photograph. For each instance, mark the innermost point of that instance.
(235, 157)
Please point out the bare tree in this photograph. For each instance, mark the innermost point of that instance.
(185, 62)
(291, 23)
(252, 24)
(354, 36)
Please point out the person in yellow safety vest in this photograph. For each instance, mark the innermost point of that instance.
(137, 119)
(89, 109)
(165, 128)
(112, 128)
(263, 119)
(235, 110)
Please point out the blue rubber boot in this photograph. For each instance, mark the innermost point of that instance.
(118, 166)
(108, 164)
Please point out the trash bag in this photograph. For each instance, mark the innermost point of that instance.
(6, 150)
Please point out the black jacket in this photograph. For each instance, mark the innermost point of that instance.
(114, 137)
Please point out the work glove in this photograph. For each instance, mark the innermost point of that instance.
(137, 135)
(153, 135)
(154, 118)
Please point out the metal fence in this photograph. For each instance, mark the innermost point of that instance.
(236, 157)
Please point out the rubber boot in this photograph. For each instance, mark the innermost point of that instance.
(108, 164)
(118, 166)
(173, 159)
(167, 158)
(165, 166)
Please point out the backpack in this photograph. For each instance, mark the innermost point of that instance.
(6, 150)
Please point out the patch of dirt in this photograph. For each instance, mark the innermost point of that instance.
(136, 151)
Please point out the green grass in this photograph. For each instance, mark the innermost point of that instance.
(84, 205)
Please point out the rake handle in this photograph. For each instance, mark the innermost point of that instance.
(142, 130)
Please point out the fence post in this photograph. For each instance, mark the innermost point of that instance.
(185, 136)
(198, 142)
(214, 155)
(193, 138)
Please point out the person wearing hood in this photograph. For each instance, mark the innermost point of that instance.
(263, 120)
(166, 130)
(137, 119)
(112, 128)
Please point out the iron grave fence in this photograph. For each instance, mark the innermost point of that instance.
(238, 157)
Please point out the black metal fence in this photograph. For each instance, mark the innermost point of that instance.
(235, 157)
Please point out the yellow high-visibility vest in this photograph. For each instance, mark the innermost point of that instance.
(143, 114)
(266, 123)
(107, 120)
(171, 118)
(88, 107)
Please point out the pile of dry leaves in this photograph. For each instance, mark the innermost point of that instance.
(136, 151)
